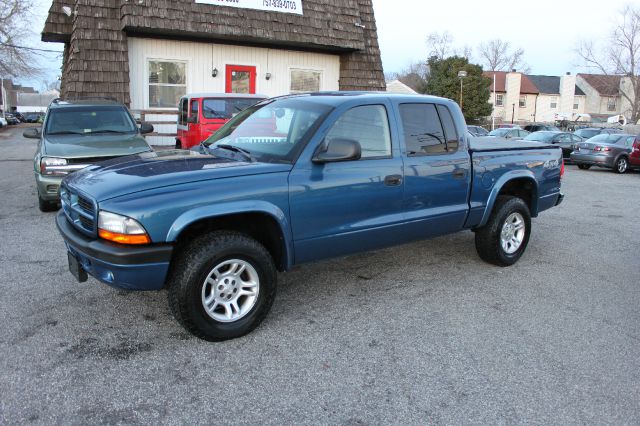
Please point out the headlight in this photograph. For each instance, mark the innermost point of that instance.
(121, 229)
(53, 166)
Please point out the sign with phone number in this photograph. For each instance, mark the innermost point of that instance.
(285, 6)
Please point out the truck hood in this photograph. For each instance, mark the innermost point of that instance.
(151, 170)
(103, 145)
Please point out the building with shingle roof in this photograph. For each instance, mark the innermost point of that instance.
(148, 53)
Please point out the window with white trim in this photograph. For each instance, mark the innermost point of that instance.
(499, 100)
(167, 83)
(523, 101)
(554, 102)
(611, 104)
(305, 81)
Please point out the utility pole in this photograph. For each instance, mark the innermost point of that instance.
(513, 112)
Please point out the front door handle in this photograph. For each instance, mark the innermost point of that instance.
(393, 180)
(459, 173)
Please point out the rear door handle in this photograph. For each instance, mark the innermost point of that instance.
(393, 180)
(459, 173)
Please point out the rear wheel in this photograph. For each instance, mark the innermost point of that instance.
(222, 285)
(504, 238)
(622, 165)
(584, 166)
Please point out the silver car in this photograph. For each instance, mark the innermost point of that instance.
(605, 150)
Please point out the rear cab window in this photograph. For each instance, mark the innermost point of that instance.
(428, 129)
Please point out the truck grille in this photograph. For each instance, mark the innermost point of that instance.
(80, 210)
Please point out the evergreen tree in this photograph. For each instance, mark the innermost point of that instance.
(443, 81)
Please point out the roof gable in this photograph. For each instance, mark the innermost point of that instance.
(605, 85)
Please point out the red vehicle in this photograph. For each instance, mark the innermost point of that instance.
(634, 157)
(202, 114)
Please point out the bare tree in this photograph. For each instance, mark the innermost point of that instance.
(620, 56)
(497, 55)
(415, 75)
(440, 45)
(16, 61)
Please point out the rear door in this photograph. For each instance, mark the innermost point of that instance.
(437, 170)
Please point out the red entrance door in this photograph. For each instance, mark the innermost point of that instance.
(241, 79)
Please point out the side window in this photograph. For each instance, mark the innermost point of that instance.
(183, 111)
(563, 138)
(368, 125)
(193, 111)
(450, 132)
(423, 132)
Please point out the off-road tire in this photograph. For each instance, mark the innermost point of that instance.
(488, 237)
(47, 206)
(190, 269)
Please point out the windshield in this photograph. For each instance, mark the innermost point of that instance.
(499, 132)
(225, 108)
(272, 131)
(89, 120)
(605, 138)
(587, 133)
(540, 136)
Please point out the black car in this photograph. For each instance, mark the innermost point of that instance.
(564, 140)
(477, 131)
(540, 127)
(32, 118)
(589, 132)
(11, 118)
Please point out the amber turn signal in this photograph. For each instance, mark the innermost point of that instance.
(124, 238)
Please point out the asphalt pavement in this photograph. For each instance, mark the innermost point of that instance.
(418, 334)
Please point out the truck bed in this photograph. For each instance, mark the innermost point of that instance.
(486, 144)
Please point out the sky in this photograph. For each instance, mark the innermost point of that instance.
(547, 30)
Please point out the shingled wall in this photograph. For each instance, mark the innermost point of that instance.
(96, 63)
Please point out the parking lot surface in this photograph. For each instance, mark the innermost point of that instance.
(418, 334)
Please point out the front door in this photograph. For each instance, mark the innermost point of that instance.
(241, 79)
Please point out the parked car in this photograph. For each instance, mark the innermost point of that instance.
(564, 140)
(508, 126)
(606, 150)
(540, 127)
(32, 118)
(509, 133)
(589, 132)
(293, 180)
(11, 119)
(19, 116)
(477, 131)
(202, 114)
(76, 134)
(3, 122)
(634, 157)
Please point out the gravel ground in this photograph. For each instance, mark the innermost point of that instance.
(418, 334)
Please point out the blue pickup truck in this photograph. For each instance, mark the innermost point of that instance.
(293, 180)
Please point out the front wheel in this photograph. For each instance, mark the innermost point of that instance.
(222, 285)
(504, 238)
(621, 165)
(47, 206)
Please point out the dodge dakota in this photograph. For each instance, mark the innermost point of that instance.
(293, 180)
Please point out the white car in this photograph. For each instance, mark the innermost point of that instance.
(3, 122)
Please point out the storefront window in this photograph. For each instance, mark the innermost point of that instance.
(305, 81)
(167, 83)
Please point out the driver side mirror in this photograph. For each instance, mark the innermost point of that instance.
(146, 128)
(32, 133)
(337, 150)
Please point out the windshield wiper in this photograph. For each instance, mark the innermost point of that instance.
(234, 148)
(109, 131)
(66, 132)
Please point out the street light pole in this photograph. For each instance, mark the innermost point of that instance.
(461, 75)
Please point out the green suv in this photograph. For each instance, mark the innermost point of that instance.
(78, 133)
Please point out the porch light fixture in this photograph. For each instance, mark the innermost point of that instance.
(268, 76)
(214, 73)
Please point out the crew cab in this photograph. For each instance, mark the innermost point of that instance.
(201, 114)
(293, 180)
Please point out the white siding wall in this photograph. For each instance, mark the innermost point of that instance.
(202, 58)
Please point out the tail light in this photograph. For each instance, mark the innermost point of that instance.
(636, 146)
(562, 169)
(602, 149)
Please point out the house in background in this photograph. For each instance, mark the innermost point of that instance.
(35, 102)
(396, 86)
(149, 53)
(603, 95)
(9, 92)
(558, 98)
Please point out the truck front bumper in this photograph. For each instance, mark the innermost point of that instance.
(139, 268)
